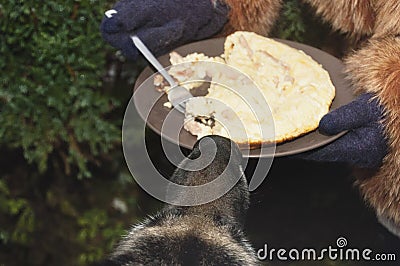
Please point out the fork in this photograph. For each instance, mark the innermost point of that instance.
(177, 95)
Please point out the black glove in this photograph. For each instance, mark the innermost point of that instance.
(364, 145)
(161, 24)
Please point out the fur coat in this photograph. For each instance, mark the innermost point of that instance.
(375, 67)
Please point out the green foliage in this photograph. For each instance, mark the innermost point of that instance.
(20, 210)
(297, 22)
(55, 126)
(58, 220)
(94, 225)
(291, 24)
(52, 60)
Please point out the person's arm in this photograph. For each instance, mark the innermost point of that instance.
(161, 25)
(252, 15)
(165, 25)
(353, 17)
(374, 69)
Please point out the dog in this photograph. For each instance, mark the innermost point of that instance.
(207, 234)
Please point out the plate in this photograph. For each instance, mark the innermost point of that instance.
(215, 47)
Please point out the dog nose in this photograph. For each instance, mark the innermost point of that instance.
(221, 147)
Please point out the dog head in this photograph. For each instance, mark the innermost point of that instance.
(206, 234)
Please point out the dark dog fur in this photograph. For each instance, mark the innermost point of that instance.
(208, 234)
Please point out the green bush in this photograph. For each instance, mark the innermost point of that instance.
(55, 126)
(52, 61)
(291, 24)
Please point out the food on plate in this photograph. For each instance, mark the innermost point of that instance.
(296, 90)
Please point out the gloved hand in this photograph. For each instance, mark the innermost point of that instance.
(364, 145)
(162, 24)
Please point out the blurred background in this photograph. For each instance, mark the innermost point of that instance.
(66, 195)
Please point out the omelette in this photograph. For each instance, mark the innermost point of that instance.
(293, 91)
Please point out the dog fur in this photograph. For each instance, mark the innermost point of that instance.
(208, 234)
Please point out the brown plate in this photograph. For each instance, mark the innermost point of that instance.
(215, 47)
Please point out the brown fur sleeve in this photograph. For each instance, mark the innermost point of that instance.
(355, 17)
(376, 68)
(388, 18)
(252, 15)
